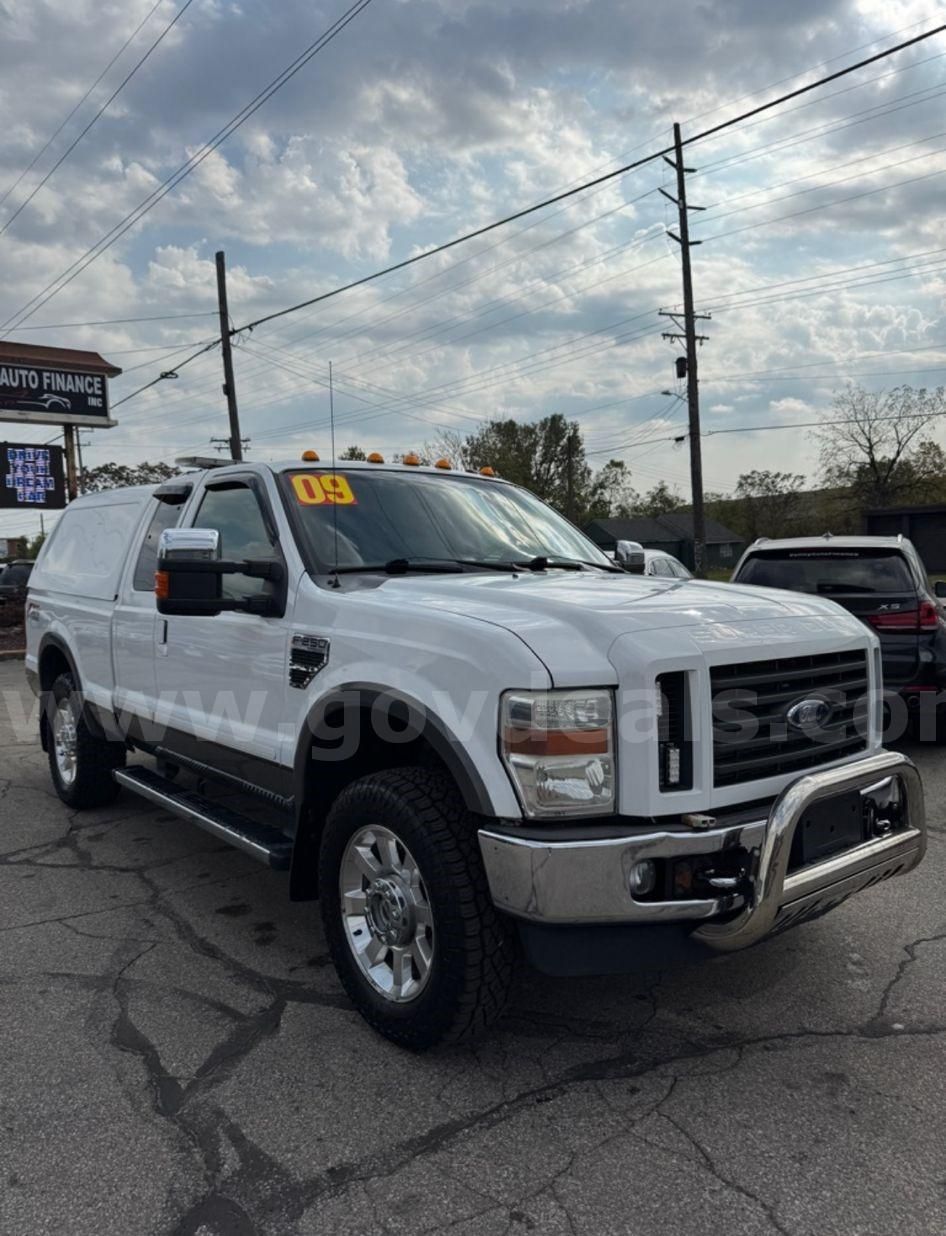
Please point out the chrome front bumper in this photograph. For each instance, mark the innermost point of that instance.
(586, 881)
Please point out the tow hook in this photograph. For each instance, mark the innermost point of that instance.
(722, 883)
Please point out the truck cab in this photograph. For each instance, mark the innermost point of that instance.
(451, 718)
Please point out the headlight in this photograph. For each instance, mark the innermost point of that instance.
(559, 749)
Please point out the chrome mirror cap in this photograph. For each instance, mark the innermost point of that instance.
(194, 544)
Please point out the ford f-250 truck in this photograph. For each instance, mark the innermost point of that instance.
(463, 728)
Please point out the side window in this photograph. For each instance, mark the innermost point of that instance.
(660, 566)
(234, 510)
(166, 516)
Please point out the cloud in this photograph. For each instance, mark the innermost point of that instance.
(424, 120)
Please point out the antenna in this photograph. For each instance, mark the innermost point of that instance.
(331, 415)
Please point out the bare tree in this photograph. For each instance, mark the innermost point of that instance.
(449, 444)
(872, 444)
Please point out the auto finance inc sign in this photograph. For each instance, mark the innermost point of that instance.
(31, 477)
(40, 394)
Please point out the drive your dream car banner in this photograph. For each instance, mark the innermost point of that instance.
(31, 477)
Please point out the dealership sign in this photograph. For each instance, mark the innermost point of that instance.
(31, 477)
(54, 386)
(53, 393)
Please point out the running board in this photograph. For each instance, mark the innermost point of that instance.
(260, 841)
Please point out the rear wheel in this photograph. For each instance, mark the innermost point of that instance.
(80, 763)
(416, 940)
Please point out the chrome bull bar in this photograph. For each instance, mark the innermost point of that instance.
(587, 881)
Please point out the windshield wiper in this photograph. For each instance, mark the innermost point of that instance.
(541, 563)
(401, 566)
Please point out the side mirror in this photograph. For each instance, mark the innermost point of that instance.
(189, 578)
(630, 556)
(940, 587)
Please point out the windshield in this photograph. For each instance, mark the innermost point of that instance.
(385, 516)
(829, 571)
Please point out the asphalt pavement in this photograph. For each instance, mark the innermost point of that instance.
(176, 1056)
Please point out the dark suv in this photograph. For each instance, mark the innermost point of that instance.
(14, 577)
(883, 581)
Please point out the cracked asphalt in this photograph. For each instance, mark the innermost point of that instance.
(177, 1057)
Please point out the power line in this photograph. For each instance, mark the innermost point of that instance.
(590, 184)
(879, 110)
(160, 317)
(36, 158)
(98, 115)
(149, 202)
(567, 194)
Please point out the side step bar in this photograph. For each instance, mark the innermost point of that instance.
(260, 841)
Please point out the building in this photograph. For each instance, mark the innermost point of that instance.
(672, 533)
(925, 526)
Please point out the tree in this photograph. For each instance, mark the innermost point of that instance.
(353, 453)
(659, 500)
(612, 494)
(31, 547)
(120, 476)
(546, 456)
(450, 444)
(872, 445)
(767, 503)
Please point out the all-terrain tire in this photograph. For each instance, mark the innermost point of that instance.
(91, 784)
(473, 945)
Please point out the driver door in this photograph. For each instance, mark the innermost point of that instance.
(222, 680)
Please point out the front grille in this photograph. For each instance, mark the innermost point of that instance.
(752, 736)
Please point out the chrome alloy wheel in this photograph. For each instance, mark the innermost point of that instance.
(64, 742)
(388, 921)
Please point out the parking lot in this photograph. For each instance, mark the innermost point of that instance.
(176, 1056)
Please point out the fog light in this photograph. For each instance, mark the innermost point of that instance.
(642, 878)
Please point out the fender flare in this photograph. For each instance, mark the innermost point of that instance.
(424, 724)
(93, 717)
(51, 640)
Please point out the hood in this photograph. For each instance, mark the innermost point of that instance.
(571, 619)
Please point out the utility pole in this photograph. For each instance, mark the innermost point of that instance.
(691, 339)
(570, 476)
(80, 469)
(229, 385)
(72, 478)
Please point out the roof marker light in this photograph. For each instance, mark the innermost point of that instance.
(412, 460)
(310, 456)
(374, 457)
(443, 463)
(487, 471)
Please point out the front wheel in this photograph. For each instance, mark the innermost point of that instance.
(413, 933)
(80, 763)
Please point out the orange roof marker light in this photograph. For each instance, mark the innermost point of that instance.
(443, 463)
(412, 460)
(310, 456)
(487, 471)
(374, 457)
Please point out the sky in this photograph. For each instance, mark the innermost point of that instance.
(822, 259)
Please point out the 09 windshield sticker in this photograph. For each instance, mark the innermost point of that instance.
(323, 489)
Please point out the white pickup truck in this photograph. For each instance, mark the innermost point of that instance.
(457, 723)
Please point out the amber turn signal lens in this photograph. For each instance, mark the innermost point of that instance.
(556, 742)
(162, 585)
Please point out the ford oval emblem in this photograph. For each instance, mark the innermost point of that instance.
(808, 714)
